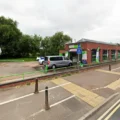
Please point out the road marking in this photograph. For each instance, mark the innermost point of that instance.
(101, 117)
(115, 68)
(107, 118)
(114, 85)
(89, 97)
(62, 101)
(110, 72)
(15, 99)
(42, 110)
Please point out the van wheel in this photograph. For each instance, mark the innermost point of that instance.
(53, 66)
(70, 64)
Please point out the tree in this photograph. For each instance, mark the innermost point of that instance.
(9, 37)
(29, 45)
(46, 46)
(58, 41)
(15, 44)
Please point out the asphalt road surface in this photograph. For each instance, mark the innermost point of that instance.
(116, 115)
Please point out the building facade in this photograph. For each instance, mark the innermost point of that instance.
(92, 51)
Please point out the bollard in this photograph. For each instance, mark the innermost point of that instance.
(47, 107)
(36, 86)
(109, 67)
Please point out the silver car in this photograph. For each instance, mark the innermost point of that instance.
(57, 61)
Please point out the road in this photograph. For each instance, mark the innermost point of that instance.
(112, 113)
(116, 114)
(70, 97)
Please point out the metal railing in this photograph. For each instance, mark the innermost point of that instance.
(43, 72)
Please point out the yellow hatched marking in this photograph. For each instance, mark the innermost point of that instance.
(89, 97)
(59, 81)
(114, 85)
(110, 72)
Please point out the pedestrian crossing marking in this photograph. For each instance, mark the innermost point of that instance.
(114, 85)
(87, 96)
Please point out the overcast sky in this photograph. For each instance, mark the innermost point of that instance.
(92, 19)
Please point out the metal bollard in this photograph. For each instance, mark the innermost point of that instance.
(47, 107)
(36, 86)
(109, 67)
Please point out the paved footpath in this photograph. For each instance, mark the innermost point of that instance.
(69, 97)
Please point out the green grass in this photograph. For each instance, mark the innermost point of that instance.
(17, 59)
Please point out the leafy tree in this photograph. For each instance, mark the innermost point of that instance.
(15, 44)
(29, 45)
(9, 36)
(46, 46)
(58, 41)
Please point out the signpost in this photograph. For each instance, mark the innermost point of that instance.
(79, 51)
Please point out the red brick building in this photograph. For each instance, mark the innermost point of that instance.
(107, 51)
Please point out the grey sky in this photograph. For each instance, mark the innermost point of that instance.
(93, 19)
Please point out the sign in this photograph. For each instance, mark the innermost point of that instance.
(107, 54)
(79, 50)
(73, 46)
(66, 54)
(97, 55)
(73, 50)
(84, 57)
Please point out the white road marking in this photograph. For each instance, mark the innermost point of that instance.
(99, 88)
(100, 118)
(115, 69)
(42, 110)
(15, 99)
(62, 101)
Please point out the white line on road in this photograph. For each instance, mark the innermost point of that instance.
(115, 69)
(34, 114)
(101, 118)
(62, 101)
(15, 99)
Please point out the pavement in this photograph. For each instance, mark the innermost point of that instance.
(70, 97)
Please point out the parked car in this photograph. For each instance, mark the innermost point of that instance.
(41, 60)
(37, 58)
(57, 61)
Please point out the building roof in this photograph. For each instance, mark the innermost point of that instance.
(94, 41)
